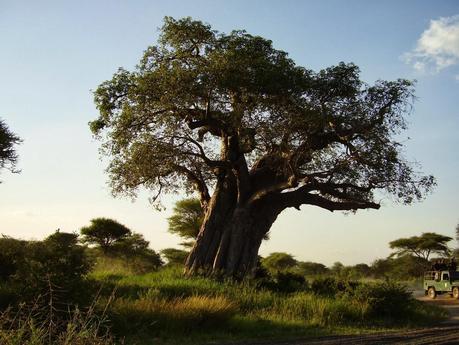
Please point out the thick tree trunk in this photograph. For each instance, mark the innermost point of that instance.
(230, 236)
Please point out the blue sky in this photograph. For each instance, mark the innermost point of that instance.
(53, 53)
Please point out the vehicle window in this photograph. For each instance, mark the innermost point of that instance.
(445, 276)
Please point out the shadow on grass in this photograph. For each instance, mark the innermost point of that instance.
(238, 329)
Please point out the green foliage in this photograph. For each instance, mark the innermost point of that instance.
(133, 247)
(131, 244)
(114, 239)
(186, 220)
(180, 315)
(422, 246)
(403, 268)
(174, 256)
(311, 268)
(25, 327)
(164, 304)
(332, 286)
(8, 141)
(387, 300)
(11, 256)
(167, 125)
(286, 282)
(337, 268)
(362, 270)
(31, 268)
(104, 232)
(278, 262)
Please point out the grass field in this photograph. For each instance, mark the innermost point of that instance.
(165, 308)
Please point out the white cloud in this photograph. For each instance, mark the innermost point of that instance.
(456, 77)
(438, 46)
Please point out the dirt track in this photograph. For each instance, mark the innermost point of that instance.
(445, 333)
(438, 335)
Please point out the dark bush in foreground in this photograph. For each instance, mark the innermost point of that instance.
(387, 300)
(32, 268)
(330, 286)
(284, 282)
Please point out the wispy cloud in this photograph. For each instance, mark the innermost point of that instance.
(438, 46)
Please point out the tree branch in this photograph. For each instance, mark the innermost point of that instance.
(202, 154)
(301, 196)
(199, 183)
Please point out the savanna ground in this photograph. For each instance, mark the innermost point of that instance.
(119, 304)
(165, 308)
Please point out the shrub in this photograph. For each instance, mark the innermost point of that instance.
(329, 286)
(325, 286)
(388, 300)
(174, 256)
(278, 262)
(33, 268)
(11, 254)
(311, 268)
(290, 282)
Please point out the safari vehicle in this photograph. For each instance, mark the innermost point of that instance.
(441, 282)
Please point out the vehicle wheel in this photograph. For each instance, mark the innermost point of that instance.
(456, 292)
(432, 293)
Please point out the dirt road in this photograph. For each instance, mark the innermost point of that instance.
(443, 334)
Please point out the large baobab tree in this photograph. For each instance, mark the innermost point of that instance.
(236, 120)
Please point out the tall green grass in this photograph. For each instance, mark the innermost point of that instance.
(30, 325)
(165, 305)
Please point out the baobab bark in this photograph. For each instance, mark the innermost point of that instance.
(231, 235)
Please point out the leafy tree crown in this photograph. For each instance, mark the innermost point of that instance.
(422, 246)
(104, 232)
(186, 219)
(279, 261)
(202, 104)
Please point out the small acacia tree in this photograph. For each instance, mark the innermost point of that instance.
(236, 120)
(278, 262)
(104, 232)
(311, 268)
(8, 141)
(186, 220)
(174, 256)
(422, 246)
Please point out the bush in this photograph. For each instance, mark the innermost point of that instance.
(387, 300)
(275, 262)
(33, 268)
(290, 282)
(11, 254)
(329, 286)
(174, 256)
(284, 282)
